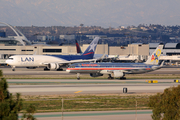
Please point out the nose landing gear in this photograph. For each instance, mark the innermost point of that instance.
(110, 77)
(13, 68)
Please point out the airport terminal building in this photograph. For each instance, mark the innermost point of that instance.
(19, 44)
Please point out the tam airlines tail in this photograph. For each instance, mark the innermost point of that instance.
(78, 48)
(154, 58)
(89, 52)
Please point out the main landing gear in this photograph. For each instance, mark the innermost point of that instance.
(60, 69)
(122, 78)
(110, 77)
(46, 69)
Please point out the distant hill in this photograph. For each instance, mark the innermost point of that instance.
(103, 13)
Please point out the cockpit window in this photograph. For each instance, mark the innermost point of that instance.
(10, 58)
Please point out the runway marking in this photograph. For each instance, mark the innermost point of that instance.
(77, 91)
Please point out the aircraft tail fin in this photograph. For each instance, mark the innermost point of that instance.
(78, 48)
(154, 58)
(89, 52)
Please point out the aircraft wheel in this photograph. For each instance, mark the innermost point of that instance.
(59, 69)
(109, 78)
(122, 78)
(13, 69)
(46, 69)
(78, 78)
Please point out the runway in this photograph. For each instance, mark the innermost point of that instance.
(69, 86)
(87, 87)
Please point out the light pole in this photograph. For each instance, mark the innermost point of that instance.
(103, 37)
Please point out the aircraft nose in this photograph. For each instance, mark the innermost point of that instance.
(8, 61)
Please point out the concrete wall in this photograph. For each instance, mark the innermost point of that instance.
(133, 49)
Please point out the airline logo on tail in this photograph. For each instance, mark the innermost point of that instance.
(156, 55)
(154, 58)
(92, 47)
(78, 48)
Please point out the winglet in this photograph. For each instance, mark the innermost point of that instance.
(92, 47)
(154, 58)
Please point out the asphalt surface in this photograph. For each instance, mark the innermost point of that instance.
(68, 86)
(83, 86)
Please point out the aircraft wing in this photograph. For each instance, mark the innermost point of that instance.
(76, 61)
(72, 61)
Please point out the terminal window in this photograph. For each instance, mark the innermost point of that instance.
(52, 50)
(26, 50)
(175, 53)
(9, 49)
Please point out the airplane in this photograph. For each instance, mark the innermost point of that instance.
(52, 62)
(118, 69)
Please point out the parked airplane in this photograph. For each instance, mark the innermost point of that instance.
(117, 69)
(52, 62)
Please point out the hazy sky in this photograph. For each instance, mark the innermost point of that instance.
(103, 13)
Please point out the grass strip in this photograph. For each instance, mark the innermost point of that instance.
(87, 103)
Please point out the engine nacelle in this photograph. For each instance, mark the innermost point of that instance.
(53, 66)
(118, 73)
(95, 74)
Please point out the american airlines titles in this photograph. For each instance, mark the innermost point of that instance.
(89, 65)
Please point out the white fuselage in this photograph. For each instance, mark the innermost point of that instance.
(32, 60)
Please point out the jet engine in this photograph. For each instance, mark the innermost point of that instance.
(95, 74)
(118, 73)
(53, 66)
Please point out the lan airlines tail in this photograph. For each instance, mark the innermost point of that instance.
(154, 58)
(89, 52)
